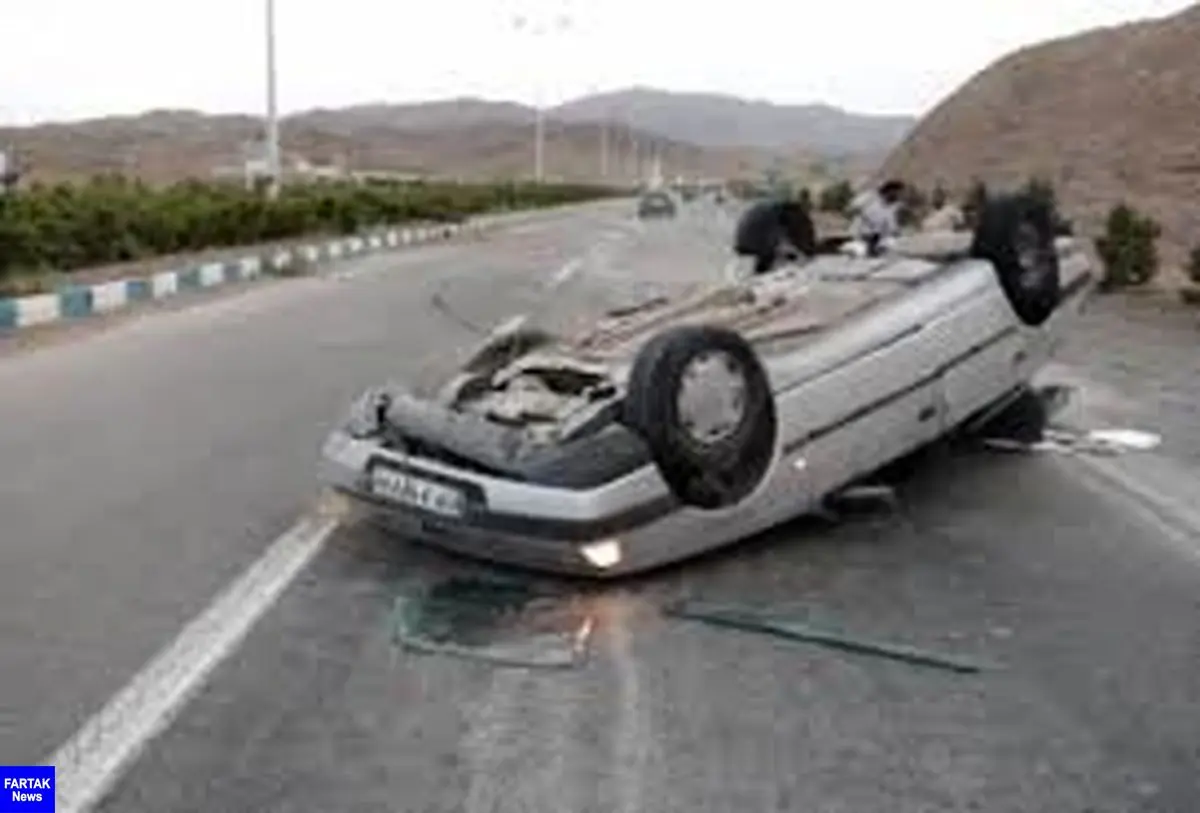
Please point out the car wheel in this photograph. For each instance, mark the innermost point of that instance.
(1016, 235)
(758, 231)
(700, 398)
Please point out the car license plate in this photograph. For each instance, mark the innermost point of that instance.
(417, 492)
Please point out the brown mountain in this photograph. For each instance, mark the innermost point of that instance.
(1107, 115)
(701, 134)
(163, 146)
(705, 119)
(718, 120)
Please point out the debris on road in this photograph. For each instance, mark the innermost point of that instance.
(862, 497)
(1125, 439)
(1022, 417)
(439, 303)
(506, 623)
(1107, 442)
(1022, 423)
(752, 620)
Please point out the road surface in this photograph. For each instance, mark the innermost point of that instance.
(148, 467)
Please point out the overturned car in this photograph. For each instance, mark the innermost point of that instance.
(680, 426)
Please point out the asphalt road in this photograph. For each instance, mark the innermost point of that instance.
(147, 466)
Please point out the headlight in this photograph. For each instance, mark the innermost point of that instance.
(365, 418)
(603, 555)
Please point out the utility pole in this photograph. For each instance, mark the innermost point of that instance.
(543, 30)
(604, 149)
(539, 144)
(272, 133)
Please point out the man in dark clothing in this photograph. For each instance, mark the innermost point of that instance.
(774, 228)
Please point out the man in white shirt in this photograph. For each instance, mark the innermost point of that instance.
(877, 215)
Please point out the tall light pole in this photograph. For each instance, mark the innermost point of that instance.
(540, 28)
(604, 149)
(539, 144)
(272, 134)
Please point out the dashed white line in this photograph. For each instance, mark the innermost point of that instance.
(96, 756)
(1174, 518)
(634, 728)
(565, 273)
(511, 324)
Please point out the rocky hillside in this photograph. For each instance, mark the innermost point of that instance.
(716, 120)
(1107, 115)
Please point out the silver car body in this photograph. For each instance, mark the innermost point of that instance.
(868, 359)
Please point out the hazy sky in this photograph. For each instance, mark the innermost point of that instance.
(75, 58)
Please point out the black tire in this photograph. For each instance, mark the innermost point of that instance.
(1016, 235)
(798, 227)
(714, 473)
(765, 227)
(758, 231)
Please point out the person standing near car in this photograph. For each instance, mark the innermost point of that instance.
(877, 215)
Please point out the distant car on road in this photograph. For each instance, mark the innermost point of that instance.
(656, 204)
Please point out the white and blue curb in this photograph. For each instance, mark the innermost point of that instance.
(81, 301)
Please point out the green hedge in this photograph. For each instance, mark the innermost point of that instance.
(112, 219)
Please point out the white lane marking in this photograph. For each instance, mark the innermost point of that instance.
(96, 756)
(511, 324)
(565, 273)
(1177, 522)
(634, 726)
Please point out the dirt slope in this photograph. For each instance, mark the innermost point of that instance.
(1113, 113)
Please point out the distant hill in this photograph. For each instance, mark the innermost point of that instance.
(1106, 115)
(163, 146)
(704, 119)
(471, 137)
(715, 120)
(436, 115)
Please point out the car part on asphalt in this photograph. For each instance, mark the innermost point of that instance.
(1102, 442)
(751, 620)
(1021, 416)
(862, 496)
(440, 304)
(506, 623)
(700, 398)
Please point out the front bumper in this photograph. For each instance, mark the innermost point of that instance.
(543, 527)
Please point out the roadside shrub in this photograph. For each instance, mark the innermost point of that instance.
(836, 197)
(804, 198)
(1193, 269)
(112, 219)
(1128, 248)
(1190, 294)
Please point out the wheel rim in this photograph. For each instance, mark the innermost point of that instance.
(712, 398)
(1029, 257)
